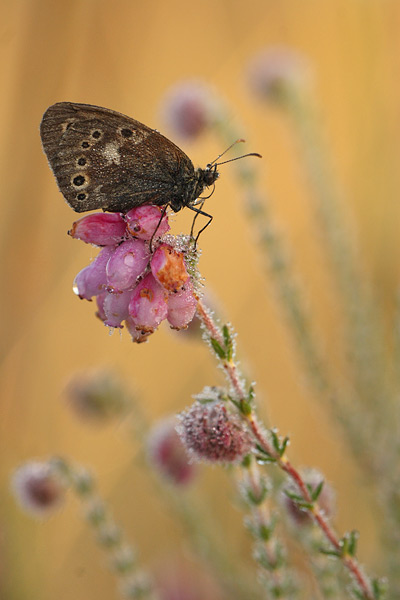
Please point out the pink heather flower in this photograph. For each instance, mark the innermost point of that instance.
(189, 108)
(142, 280)
(100, 299)
(167, 453)
(274, 73)
(101, 229)
(127, 262)
(97, 395)
(182, 308)
(326, 500)
(211, 432)
(144, 221)
(91, 281)
(115, 308)
(37, 489)
(168, 267)
(148, 305)
(137, 335)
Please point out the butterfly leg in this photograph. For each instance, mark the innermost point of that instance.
(164, 210)
(198, 212)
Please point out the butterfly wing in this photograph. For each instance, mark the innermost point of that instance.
(105, 160)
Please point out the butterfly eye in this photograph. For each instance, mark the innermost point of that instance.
(96, 134)
(81, 196)
(85, 144)
(82, 161)
(126, 133)
(80, 180)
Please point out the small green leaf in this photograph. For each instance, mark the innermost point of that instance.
(316, 491)
(227, 335)
(251, 394)
(246, 462)
(353, 539)
(275, 440)
(329, 552)
(283, 446)
(293, 496)
(379, 588)
(245, 407)
(219, 351)
(228, 342)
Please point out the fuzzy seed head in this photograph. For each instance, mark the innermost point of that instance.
(212, 433)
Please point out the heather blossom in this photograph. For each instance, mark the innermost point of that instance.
(211, 432)
(190, 108)
(37, 489)
(167, 453)
(141, 276)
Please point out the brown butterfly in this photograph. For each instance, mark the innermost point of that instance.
(104, 160)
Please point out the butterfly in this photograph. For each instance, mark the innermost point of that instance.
(105, 160)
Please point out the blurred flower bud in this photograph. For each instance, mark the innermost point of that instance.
(274, 74)
(189, 108)
(37, 489)
(167, 453)
(97, 395)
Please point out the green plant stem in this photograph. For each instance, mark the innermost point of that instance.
(236, 381)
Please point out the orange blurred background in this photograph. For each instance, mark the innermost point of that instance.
(125, 55)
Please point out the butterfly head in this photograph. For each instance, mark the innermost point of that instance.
(207, 176)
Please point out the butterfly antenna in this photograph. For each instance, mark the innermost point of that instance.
(216, 163)
(225, 151)
(237, 158)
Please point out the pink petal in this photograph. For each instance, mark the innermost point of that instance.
(144, 221)
(168, 267)
(148, 305)
(92, 280)
(115, 308)
(101, 229)
(181, 308)
(128, 261)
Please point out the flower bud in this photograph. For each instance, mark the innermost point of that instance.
(168, 267)
(182, 307)
(101, 229)
(189, 108)
(116, 308)
(148, 305)
(97, 395)
(91, 281)
(167, 453)
(211, 433)
(137, 335)
(144, 222)
(37, 489)
(127, 262)
(275, 73)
